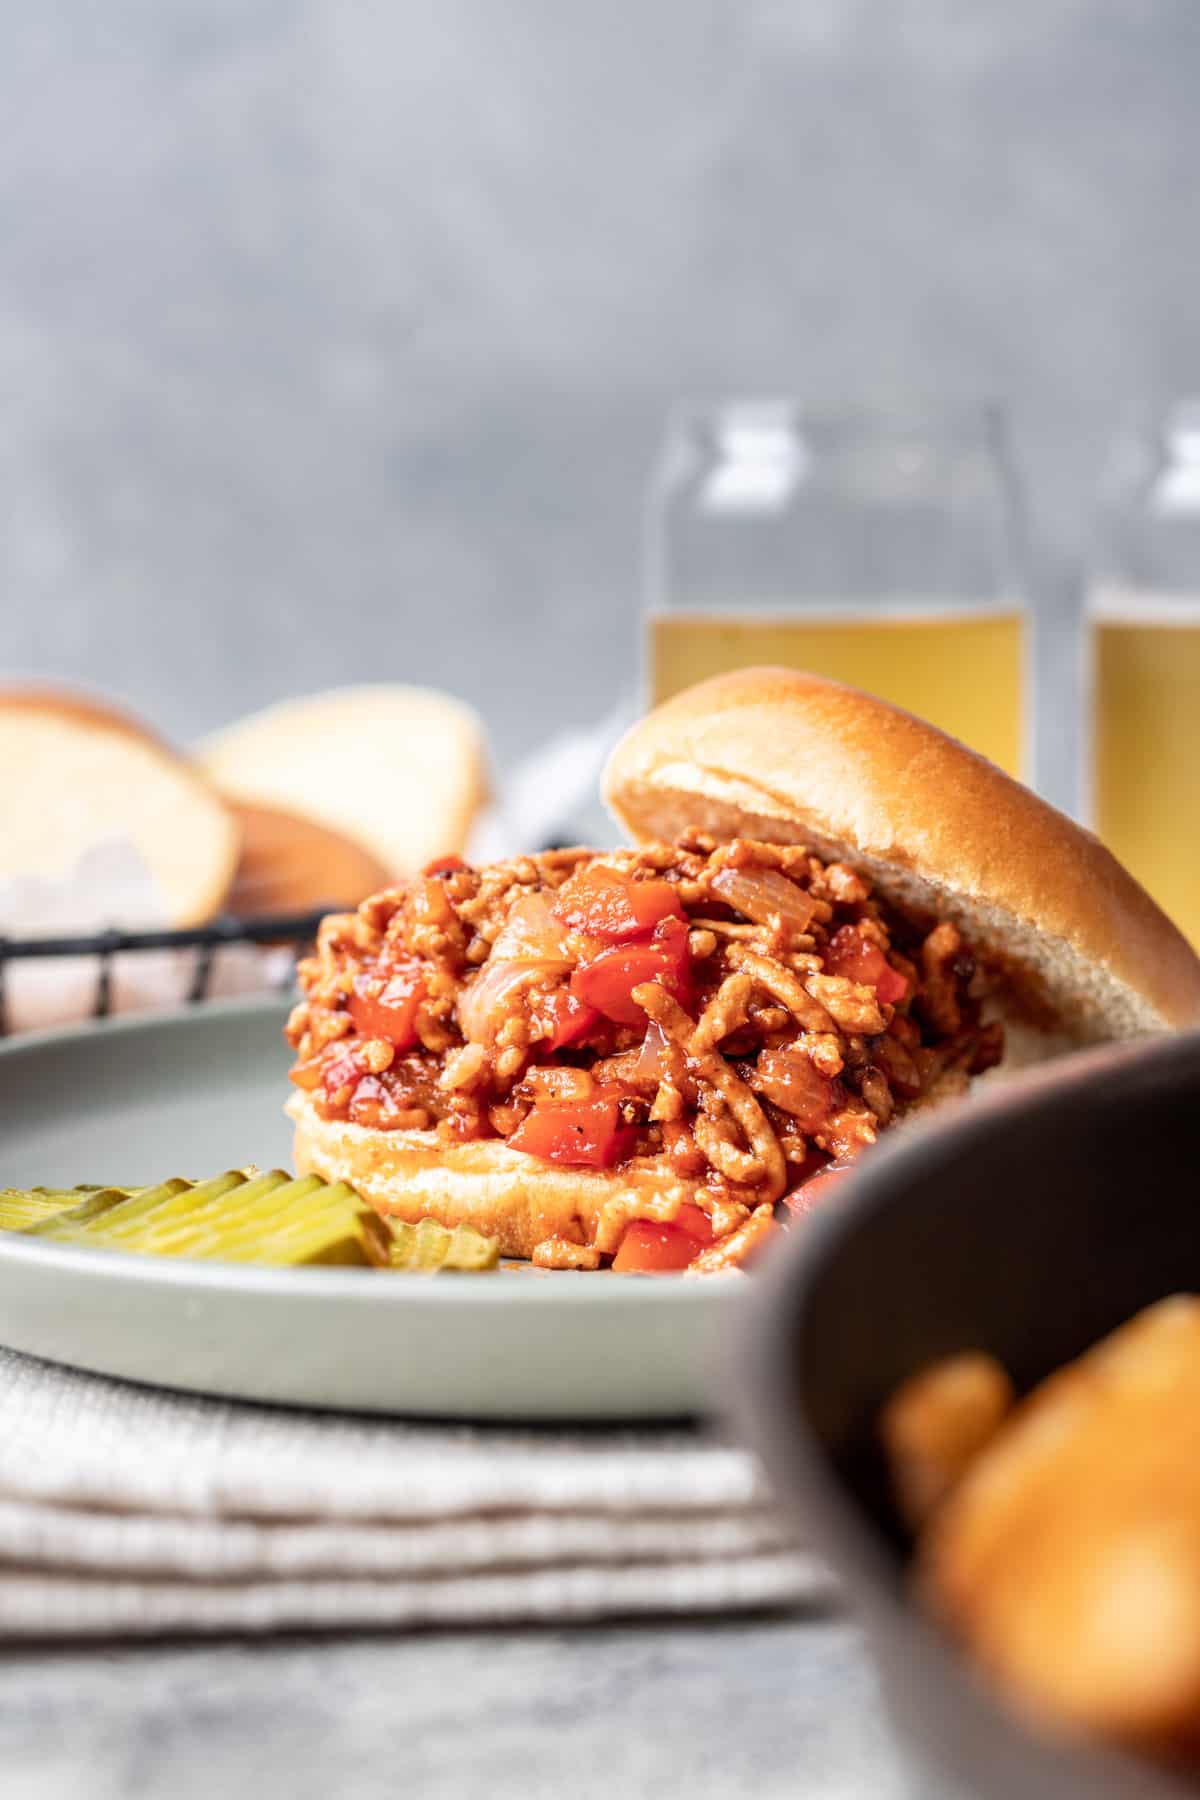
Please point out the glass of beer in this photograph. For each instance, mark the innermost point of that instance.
(888, 555)
(1143, 620)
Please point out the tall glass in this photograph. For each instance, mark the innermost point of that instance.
(1143, 616)
(886, 555)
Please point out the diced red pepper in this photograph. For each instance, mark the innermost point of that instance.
(584, 1134)
(650, 1248)
(695, 1221)
(857, 959)
(608, 981)
(606, 904)
(386, 1006)
(572, 1019)
(444, 865)
(891, 986)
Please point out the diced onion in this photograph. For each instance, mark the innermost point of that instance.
(651, 1065)
(763, 895)
(531, 933)
(787, 1076)
(485, 1000)
(529, 948)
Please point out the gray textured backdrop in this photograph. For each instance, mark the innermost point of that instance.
(336, 336)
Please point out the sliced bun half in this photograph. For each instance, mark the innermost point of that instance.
(400, 770)
(79, 773)
(519, 1199)
(289, 864)
(789, 757)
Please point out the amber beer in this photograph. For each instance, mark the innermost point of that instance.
(961, 669)
(1145, 654)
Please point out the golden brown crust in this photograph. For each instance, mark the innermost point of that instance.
(290, 864)
(784, 754)
(87, 709)
(521, 1200)
(80, 708)
(401, 770)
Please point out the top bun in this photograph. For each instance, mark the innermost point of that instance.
(79, 773)
(788, 757)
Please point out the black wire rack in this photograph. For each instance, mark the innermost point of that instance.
(287, 930)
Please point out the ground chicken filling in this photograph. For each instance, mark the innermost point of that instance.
(741, 1016)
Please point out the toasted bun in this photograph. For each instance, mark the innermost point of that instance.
(289, 864)
(399, 770)
(793, 758)
(517, 1198)
(78, 772)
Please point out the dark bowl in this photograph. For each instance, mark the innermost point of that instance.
(1030, 1224)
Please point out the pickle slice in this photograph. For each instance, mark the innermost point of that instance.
(186, 1214)
(245, 1216)
(98, 1203)
(267, 1219)
(22, 1207)
(429, 1246)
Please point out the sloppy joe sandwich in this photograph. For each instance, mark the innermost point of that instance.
(832, 917)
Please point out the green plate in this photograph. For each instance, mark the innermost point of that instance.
(196, 1092)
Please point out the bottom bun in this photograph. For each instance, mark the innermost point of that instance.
(527, 1203)
(504, 1193)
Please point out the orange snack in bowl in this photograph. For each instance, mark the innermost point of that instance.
(1068, 1557)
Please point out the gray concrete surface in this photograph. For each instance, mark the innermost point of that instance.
(706, 1710)
(336, 340)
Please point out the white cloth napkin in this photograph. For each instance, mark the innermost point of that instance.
(130, 1511)
(111, 882)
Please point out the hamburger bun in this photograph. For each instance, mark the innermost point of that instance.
(1080, 948)
(414, 1175)
(400, 771)
(1080, 951)
(289, 864)
(82, 773)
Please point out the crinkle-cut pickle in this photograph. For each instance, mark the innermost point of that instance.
(23, 1207)
(236, 1217)
(244, 1216)
(428, 1245)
